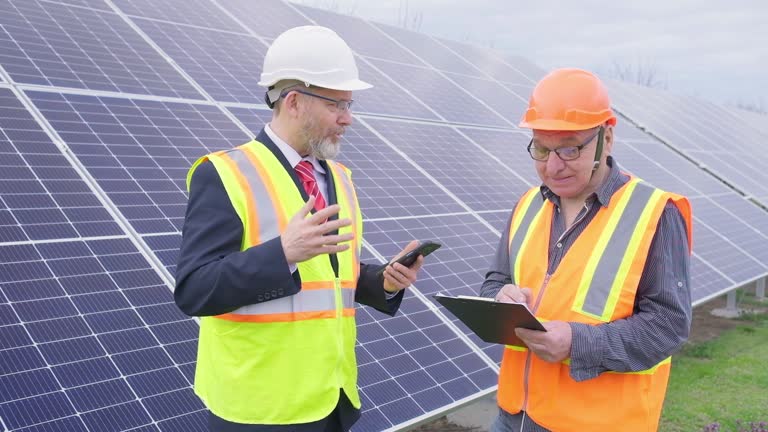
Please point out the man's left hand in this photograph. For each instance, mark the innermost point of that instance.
(553, 345)
(398, 276)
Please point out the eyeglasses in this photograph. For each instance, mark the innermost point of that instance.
(564, 153)
(342, 105)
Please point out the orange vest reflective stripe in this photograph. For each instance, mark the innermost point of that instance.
(595, 283)
(281, 361)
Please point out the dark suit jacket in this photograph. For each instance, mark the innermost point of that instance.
(214, 276)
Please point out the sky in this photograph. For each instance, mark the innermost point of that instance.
(714, 49)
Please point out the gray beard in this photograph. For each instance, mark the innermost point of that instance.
(323, 148)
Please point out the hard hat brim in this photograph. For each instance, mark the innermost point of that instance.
(562, 125)
(351, 85)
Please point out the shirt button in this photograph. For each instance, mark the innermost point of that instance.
(679, 284)
(559, 245)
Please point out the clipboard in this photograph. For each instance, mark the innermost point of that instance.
(492, 321)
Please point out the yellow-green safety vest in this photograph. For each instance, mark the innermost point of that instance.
(281, 361)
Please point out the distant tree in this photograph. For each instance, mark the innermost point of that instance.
(407, 19)
(643, 72)
(756, 106)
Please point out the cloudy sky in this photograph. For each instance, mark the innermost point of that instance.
(715, 49)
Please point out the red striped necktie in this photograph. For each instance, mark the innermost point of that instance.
(306, 173)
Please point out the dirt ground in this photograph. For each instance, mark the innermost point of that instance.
(704, 327)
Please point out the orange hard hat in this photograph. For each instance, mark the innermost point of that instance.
(568, 99)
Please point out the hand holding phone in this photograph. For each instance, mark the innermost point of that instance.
(424, 248)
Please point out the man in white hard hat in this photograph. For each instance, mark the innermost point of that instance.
(270, 255)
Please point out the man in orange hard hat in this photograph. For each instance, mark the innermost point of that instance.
(602, 258)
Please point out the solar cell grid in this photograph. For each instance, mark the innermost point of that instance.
(412, 364)
(139, 151)
(59, 45)
(510, 148)
(80, 354)
(388, 98)
(201, 13)
(226, 65)
(489, 61)
(506, 103)
(361, 36)
(445, 97)
(266, 18)
(431, 51)
(93, 4)
(458, 268)
(41, 195)
(479, 181)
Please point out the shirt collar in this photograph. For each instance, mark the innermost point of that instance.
(603, 194)
(291, 155)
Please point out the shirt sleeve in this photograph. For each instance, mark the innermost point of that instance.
(662, 318)
(213, 275)
(499, 273)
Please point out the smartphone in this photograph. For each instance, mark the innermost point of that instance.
(424, 249)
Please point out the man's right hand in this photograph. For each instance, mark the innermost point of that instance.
(510, 293)
(304, 237)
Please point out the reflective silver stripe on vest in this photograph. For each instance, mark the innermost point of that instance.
(608, 266)
(265, 210)
(348, 188)
(348, 297)
(537, 203)
(314, 300)
(346, 183)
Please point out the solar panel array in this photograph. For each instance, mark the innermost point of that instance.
(104, 105)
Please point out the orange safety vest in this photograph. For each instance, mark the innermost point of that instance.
(281, 361)
(595, 283)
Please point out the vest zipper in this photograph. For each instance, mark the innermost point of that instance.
(587, 207)
(529, 354)
(340, 329)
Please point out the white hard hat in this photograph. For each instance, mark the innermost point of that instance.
(314, 55)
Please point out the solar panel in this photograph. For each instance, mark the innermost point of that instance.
(58, 45)
(431, 51)
(41, 196)
(139, 151)
(199, 13)
(228, 75)
(446, 98)
(78, 353)
(497, 97)
(492, 63)
(412, 365)
(471, 175)
(267, 18)
(387, 97)
(697, 132)
(456, 269)
(93, 4)
(362, 37)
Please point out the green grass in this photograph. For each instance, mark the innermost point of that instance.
(723, 380)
